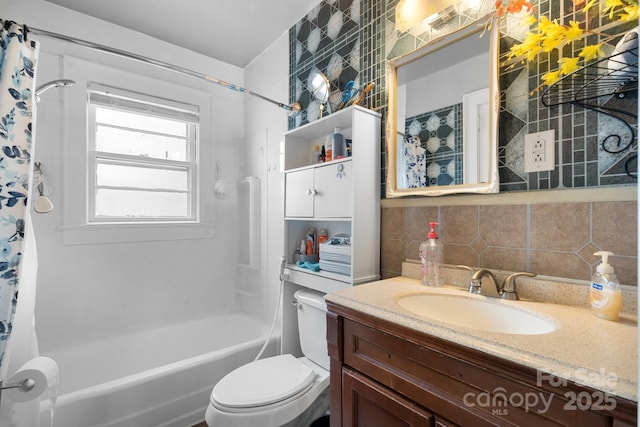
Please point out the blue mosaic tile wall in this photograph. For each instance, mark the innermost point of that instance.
(352, 39)
(326, 40)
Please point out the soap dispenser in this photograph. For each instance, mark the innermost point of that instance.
(605, 295)
(432, 257)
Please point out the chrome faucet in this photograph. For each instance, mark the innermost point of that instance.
(474, 288)
(506, 291)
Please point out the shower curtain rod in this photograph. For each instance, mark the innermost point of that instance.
(292, 109)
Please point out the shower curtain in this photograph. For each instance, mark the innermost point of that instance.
(18, 57)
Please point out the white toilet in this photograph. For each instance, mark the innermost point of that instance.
(281, 390)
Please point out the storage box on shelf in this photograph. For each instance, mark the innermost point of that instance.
(341, 196)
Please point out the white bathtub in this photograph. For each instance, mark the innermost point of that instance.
(156, 378)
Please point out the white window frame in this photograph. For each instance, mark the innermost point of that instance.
(131, 102)
(77, 228)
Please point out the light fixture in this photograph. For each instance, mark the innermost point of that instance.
(442, 17)
(411, 12)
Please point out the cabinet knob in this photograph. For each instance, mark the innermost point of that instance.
(311, 192)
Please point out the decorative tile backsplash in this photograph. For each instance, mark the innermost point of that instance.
(551, 239)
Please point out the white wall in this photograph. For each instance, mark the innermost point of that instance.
(265, 123)
(88, 292)
(433, 91)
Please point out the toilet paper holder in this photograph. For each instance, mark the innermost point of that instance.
(23, 386)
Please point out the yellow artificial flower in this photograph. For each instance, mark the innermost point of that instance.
(630, 13)
(544, 23)
(553, 34)
(568, 65)
(611, 6)
(574, 32)
(551, 77)
(590, 52)
(589, 5)
(546, 35)
(533, 52)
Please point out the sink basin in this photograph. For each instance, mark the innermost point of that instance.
(477, 314)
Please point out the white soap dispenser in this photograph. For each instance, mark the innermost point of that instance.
(432, 257)
(605, 295)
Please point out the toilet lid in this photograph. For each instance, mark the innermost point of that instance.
(263, 382)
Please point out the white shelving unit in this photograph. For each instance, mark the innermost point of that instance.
(342, 196)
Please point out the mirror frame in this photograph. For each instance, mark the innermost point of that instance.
(493, 186)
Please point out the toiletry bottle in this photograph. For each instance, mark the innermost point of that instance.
(432, 257)
(311, 241)
(338, 145)
(328, 150)
(605, 295)
(323, 155)
(315, 155)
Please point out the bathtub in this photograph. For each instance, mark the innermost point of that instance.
(158, 378)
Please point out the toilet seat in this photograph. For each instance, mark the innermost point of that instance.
(263, 382)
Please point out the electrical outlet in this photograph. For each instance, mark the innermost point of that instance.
(539, 151)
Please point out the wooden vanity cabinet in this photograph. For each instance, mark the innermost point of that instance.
(383, 374)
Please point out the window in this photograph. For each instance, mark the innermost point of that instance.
(138, 152)
(142, 158)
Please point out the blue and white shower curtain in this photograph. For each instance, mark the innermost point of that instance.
(18, 56)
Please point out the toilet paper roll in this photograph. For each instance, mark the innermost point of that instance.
(43, 371)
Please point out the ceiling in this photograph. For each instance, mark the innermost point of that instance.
(233, 31)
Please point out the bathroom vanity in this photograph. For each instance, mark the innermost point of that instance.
(392, 367)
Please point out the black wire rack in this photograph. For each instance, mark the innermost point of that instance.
(614, 75)
(594, 86)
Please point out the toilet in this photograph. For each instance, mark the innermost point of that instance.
(279, 391)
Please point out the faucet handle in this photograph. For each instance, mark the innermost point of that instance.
(509, 287)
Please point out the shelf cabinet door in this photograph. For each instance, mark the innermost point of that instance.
(367, 403)
(333, 185)
(299, 193)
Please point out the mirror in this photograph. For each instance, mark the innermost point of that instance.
(319, 88)
(443, 115)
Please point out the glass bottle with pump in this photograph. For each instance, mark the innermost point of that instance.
(605, 295)
(432, 257)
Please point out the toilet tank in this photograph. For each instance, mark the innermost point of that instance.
(312, 326)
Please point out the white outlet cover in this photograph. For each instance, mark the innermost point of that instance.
(539, 151)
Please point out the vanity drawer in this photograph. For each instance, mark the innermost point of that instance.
(458, 390)
(370, 404)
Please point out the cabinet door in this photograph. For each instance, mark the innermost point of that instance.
(333, 184)
(369, 404)
(299, 193)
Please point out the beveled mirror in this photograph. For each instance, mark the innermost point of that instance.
(442, 126)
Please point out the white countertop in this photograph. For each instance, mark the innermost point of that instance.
(583, 348)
